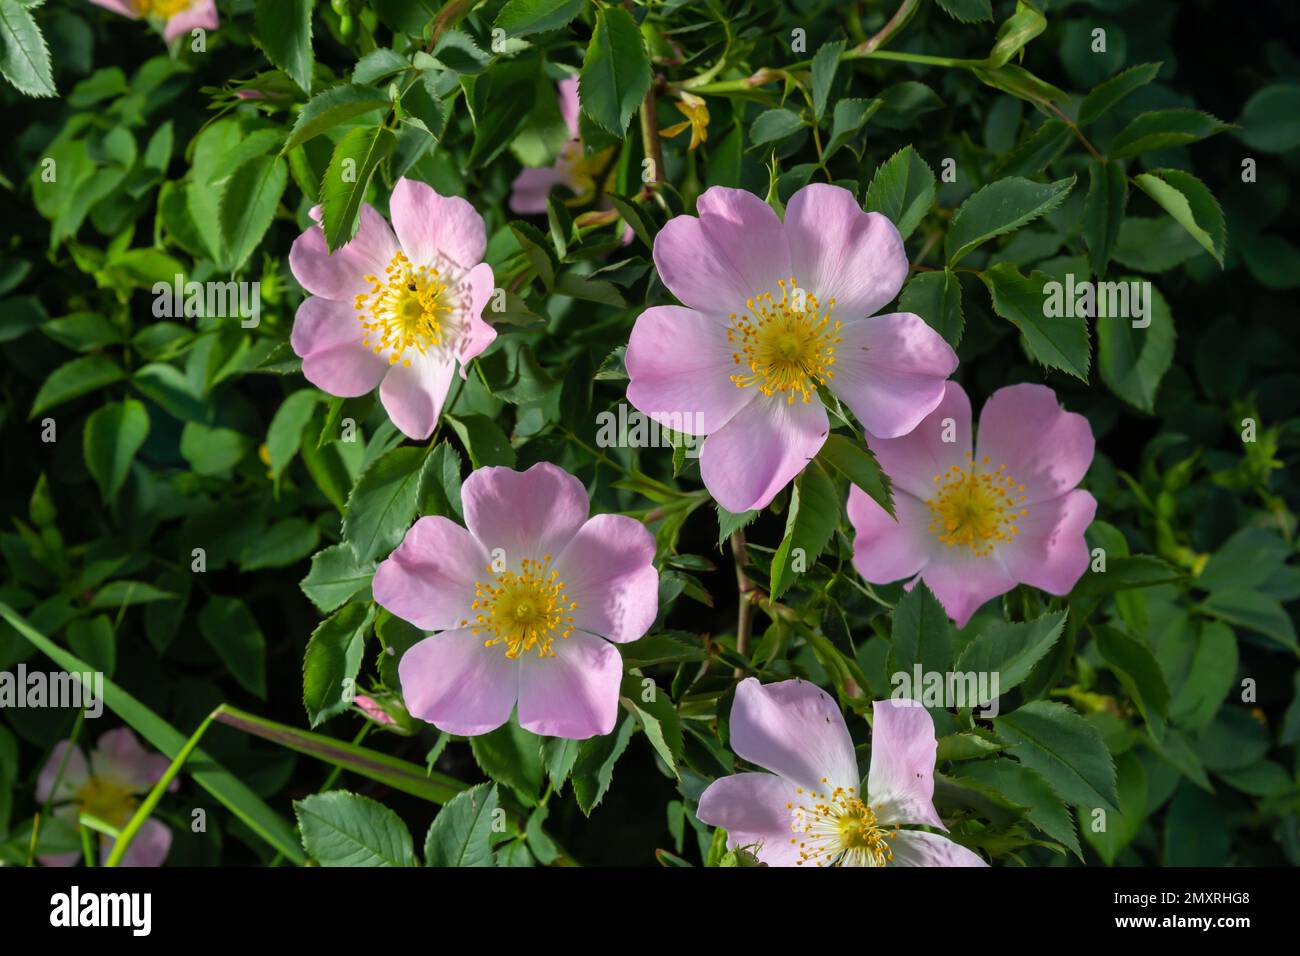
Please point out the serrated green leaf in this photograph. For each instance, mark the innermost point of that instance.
(345, 829)
(615, 71)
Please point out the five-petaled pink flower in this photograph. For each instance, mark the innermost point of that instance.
(395, 311)
(571, 169)
(178, 17)
(972, 526)
(810, 809)
(773, 312)
(106, 787)
(524, 603)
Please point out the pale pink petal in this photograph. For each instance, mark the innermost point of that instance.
(840, 252)
(608, 572)
(148, 849)
(429, 579)
(1049, 550)
(1045, 448)
(430, 226)
(476, 334)
(963, 581)
(452, 681)
(531, 189)
(413, 395)
(573, 694)
(900, 784)
(119, 757)
(527, 514)
(59, 859)
(735, 250)
(567, 89)
(680, 365)
(756, 454)
(341, 275)
(124, 7)
(75, 774)
(754, 809)
(886, 550)
(890, 371)
(913, 461)
(918, 848)
(796, 730)
(202, 14)
(327, 336)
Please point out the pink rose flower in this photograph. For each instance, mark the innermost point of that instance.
(974, 526)
(524, 603)
(396, 312)
(119, 771)
(774, 311)
(809, 809)
(532, 187)
(178, 17)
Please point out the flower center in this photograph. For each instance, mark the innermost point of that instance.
(166, 9)
(838, 828)
(787, 346)
(975, 507)
(406, 308)
(107, 801)
(523, 610)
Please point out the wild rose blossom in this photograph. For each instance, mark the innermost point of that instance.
(177, 17)
(809, 811)
(973, 526)
(571, 169)
(397, 312)
(106, 787)
(524, 600)
(770, 313)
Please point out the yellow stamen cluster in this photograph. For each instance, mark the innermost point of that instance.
(523, 610)
(975, 507)
(787, 346)
(165, 9)
(837, 829)
(107, 801)
(405, 309)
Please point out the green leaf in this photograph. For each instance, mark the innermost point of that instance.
(284, 436)
(1254, 611)
(922, 634)
(512, 756)
(73, 379)
(1029, 789)
(593, 771)
(1037, 150)
(1162, 129)
(1210, 678)
(331, 108)
(383, 504)
(114, 433)
(824, 65)
(856, 463)
(936, 298)
(248, 205)
(1136, 668)
(233, 794)
(283, 29)
(119, 594)
(1246, 560)
(1153, 245)
(1016, 31)
(461, 833)
(1133, 360)
(343, 188)
(483, 439)
(1191, 204)
(657, 716)
(968, 11)
(1120, 827)
(1270, 121)
(1107, 94)
(1059, 342)
(1125, 573)
(1103, 212)
(999, 208)
(773, 125)
(213, 451)
(335, 576)
(1010, 649)
(848, 117)
(24, 58)
(1067, 750)
(346, 829)
(902, 190)
(286, 542)
(332, 661)
(229, 627)
(814, 513)
(521, 18)
(615, 71)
